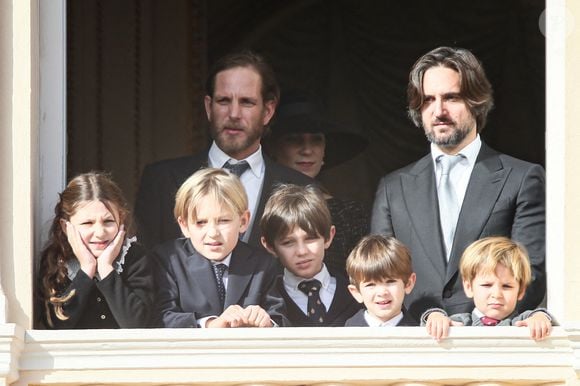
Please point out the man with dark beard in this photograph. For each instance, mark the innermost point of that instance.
(242, 95)
(463, 190)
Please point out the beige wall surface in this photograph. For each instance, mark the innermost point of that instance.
(6, 234)
(572, 150)
(18, 107)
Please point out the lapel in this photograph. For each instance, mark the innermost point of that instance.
(485, 186)
(242, 266)
(201, 272)
(420, 196)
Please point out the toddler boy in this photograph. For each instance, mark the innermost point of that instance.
(495, 272)
(381, 274)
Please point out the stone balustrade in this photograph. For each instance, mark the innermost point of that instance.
(289, 356)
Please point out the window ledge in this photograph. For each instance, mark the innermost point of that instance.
(353, 356)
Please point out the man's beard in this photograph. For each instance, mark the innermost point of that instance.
(457, 136)
(236, 145)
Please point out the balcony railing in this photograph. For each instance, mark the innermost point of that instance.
(289, 356)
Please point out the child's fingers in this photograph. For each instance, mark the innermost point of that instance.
(257, 316)
(437, 329)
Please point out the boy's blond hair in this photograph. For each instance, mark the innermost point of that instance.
(485, 254)
(218, 184)
(376, 258)
(293, 206)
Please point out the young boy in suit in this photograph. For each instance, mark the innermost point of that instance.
(381, 274)
(297, 228)
(496, 272)
(209, 278)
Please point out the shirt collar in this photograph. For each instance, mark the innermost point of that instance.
(470, 152)
(217, 158)
(292, 280)
(373, 321)
(225, 261)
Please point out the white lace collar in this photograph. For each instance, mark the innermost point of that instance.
(73, 266)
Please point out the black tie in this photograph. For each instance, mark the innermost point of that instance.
(316, 310)
(237, 169)
(218, 270)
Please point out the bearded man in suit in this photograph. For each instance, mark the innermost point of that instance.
(241, 98)
(463, 190)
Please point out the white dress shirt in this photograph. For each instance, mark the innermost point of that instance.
(328, 284)
(252, 179)
(201, 322)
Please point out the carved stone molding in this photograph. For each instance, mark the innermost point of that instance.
(289, 356)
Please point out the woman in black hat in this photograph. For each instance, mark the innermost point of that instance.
(303, 140)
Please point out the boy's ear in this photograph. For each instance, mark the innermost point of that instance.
(330, 237)
(355, 293)
(410, 283)
(267, 246)
(183, 226)
(522, 292)
(467, 288)
(244, 221)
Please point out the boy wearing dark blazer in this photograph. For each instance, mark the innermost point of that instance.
(381, 274)
(297, 228)
(210, 278)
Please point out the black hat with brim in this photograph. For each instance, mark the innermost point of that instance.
(300, 116)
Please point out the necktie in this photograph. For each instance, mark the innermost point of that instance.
(487, 321)
(316, 310)
(448, 203)
(218, 270)
(238, 169)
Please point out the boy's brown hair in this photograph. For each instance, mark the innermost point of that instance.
(376, 258)
(293, 206)
(219, 184)
(485, 254)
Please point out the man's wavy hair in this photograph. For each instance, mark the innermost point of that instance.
(475, 87)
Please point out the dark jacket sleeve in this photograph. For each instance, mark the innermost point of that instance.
(130, 293)
(168, 312)
(272, 301)
(529, 229)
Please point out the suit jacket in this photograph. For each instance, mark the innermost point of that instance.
(187, 291)
(161, 180)
(358, 320)
(471, 318)
(120, 300)
(505, 197)
(343, 305)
